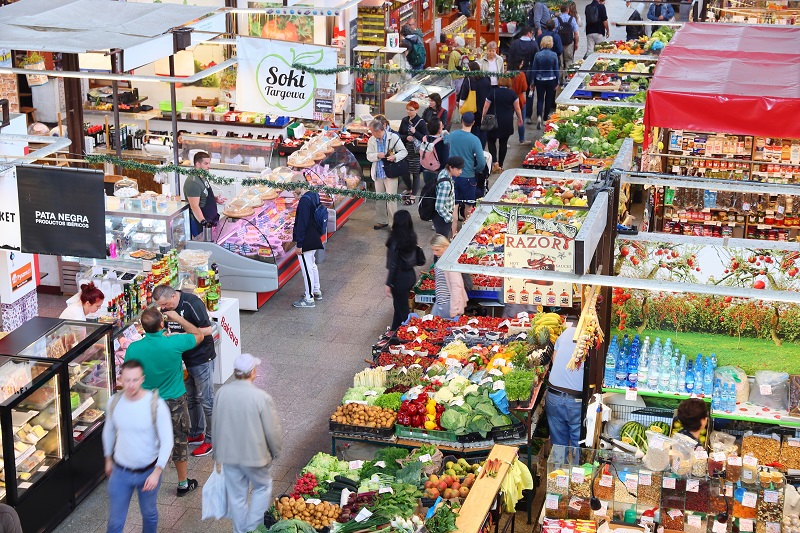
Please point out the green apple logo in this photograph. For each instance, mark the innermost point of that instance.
(282, 86)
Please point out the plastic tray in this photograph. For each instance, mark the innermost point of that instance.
(509, 432)
(425, 434)
(346, 429)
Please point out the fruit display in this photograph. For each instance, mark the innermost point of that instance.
(449, 486)
(633, 433)
(355, 414)
(319, 515)
(623, 66)
(546, 327)
(632, 47)
(596, 131)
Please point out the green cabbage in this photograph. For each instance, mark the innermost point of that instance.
(453, 420)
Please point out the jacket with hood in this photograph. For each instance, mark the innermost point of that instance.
(305, 232)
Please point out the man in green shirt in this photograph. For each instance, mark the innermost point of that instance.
(162, 355)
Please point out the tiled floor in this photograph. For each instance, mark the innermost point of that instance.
(310, 356)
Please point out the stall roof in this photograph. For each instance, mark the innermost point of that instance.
(730, 79)
(79, 26)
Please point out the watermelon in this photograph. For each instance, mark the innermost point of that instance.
(660, 427)
(634, 433)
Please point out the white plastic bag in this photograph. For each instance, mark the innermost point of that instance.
(771, 389)
(215, 499)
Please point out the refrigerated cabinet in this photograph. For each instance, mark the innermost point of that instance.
(418, 89)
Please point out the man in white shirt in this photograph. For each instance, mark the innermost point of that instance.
(137, 443)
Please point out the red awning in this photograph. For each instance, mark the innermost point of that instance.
(725, 78)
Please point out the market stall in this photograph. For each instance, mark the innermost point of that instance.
(610, 80)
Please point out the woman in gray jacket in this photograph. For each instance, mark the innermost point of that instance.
(384, 146)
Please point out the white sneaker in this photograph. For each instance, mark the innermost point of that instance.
(317, 295)
(302, 302)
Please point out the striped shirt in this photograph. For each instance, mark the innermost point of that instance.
(442, 292)
(380, 173)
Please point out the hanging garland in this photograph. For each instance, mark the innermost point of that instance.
(147, 168)
(380, 70)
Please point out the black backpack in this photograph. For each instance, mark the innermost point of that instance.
(427, 205)
(592, 13)
(564, 30)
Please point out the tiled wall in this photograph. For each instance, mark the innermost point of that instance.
(8, 89)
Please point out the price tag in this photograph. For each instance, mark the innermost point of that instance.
(766, 390)
(523, 314)
(43, 468)
(427, 318)
(729, 490)
(499, 385)
(694, 520)
(746, 525)
(606, 480)
(700, 455)
(575, 503)
(425, 458)
(645, 478)
(603, 511)
(457, 402)
(384, 490)
(495, 372)
(675, 513)
(749, 499)
(496, 348)
(413, 329)
(771, 496)
(451, 362)
(499, 362)
(370, 393)
(647, 520)
(562, 481)
(404, 370)
(314, 501)
(551, 501)
(504, 324)
(792, 442)
(355, 465)
(735, 460)
(388, 367)
(718, 457)
(415, 365)
(630, 394)
(24, 485)
(418, 339)
(750, 460)
(693, 485)
(719, 527)
(381, 464)
(668, 483)
(522, 336)
(773, 527)
(363, 514)
(632, 483)
(485, 380)
(578, 474)
(745, 207)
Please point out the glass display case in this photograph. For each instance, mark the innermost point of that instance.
(32, 431)
(232, 153)
(418, 89)
(138, 229)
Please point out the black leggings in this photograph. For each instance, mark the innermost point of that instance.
(403, 284)
(411, 182)
(492, 139)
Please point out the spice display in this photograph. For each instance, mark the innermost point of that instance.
(650, 495)
(558, 483)
(733, 472)
(604, 485)
(716, 499)
(700, 465)
(579, 509)
(697, 495)
(765, 448)
(672, 492)
(694, 523)
(580, 483)
(716, 464)
(790, 453)
(672, 519)
(625, 492)
(770, 507)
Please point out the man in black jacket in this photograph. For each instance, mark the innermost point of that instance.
(308, 239)
(523, 50)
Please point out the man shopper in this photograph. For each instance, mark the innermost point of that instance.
(199, 363)
(445, 221)
(465, 145)
(249, 439)
(137, 441)
(568, 32)
(162, 355)
(308, 239)
(523, 50)
(660, 11)
(596, 25)
(633, 13)
(538, 16)
(550, 29)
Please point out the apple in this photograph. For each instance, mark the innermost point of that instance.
(429, 484)
(448, 494)
(434, 478)
(456, 485)
(434, 493)
(442, 486)
(463, 491)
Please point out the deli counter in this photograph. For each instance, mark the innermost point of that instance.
(418, 89)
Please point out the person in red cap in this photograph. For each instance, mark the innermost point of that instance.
(247, 438)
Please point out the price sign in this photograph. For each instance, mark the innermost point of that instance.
(794, 443)
(562, 481)
(355, 465)
(425, 458)
(729, 490)
(577, 475)
(499, 362)
(700, 455)
(603, 511)
(575, 503)
(734, 460)
(771, 496)
(427, 318)
(551, 501)
(647, 520)
(766, 390)
(773, 527)
(413, 329)
(504, 324)
(472, 321)
(749, 499)
(719, 527)
(388, 367)
(668, 483)
(495, 372)
(606, 480)
(314, 501)
(522, 336)
(485, 380)
(632, 483)
(363, 515)
(645, 478)
(749, 460)
(380, 464)
(457, 402)
(630, 394)
(694, 520)
(746, 525)
(675, 513)
(499, 385)
(384, 490)
(693, 485)
(370, 393)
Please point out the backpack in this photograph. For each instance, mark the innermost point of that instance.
(320, 218)
(153, 408)
(428, 157)
(564, 30)
(463, 64)
(427, 205)
(592, 13)
(416, 56)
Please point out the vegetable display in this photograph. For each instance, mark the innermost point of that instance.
(443, 520)
(326, 467)
(291, 526)
(318, 515)
(355, 414)
(389, 401)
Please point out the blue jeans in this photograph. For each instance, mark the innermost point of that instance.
(521, 132)
(121, 485)
(200, 398)
(564, 419)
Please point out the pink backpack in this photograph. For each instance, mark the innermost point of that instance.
(428, 158)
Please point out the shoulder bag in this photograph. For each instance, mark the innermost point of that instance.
(489, 122)
(395, 169)
(470, 105)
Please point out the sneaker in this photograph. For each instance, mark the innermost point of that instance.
(530, 120)
(318, 295)
(203, 449)
(195, 441)
(191, 485)
(302, 302)
(539, 124)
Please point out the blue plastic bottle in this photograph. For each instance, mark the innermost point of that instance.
(689, 386)
(655, 361)
(633, 363)
(698, 374)
(609, 377)
(663, 376)
(716, 399)
(621, 374)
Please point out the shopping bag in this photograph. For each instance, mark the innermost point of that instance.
(215, 499)
(470, 105)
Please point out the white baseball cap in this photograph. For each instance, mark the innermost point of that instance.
(246, 362)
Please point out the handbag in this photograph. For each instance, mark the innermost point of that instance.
(470, 105)
(215, 498)
(489, 122)
(416, 143)
(395, 169)
(420, 256)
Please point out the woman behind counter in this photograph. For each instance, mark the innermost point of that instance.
(451, 297)
(90, 301)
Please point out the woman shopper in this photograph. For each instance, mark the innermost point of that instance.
(482, 86)
(384, 146)
(401, 260)
(491, 61)
(89, 301)
(520, 87)
(503, 103)
(451, 297)
(435, 110)
(442, 149)
(545, 75)
(412, 131)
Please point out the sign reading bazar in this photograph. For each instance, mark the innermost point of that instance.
(266, 81)
(61, 211)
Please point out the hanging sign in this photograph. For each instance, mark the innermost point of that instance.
(267, 83)
(9, 210)
(551, 252)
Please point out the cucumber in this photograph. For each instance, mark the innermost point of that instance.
(340, 486)
(346, 481)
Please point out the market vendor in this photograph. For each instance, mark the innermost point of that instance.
(693, 415)
(564, 403)
(89, 301)
(202, 202)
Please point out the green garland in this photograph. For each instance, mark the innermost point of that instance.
(147, 168)
(379, 70)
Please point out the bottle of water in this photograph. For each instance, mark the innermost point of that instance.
(690, 377)
(714, 360)
(663, 377)
(644, 364)
(655, 361)
(716, 399)
(682, 375)
(621, 374)
(673, 374)
(730, 398)
(609, 377)
(633, 363)
(708, 378)
(698, 374)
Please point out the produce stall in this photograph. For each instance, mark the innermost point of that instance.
(618, 80)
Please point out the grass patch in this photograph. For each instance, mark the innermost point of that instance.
(751, 355)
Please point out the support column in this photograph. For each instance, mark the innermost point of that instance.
(73, 96)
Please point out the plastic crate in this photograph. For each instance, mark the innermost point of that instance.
(609, 96)
(166, 106)
(346, 429)
(509, 432)
(470, 438)
(425, 434)
(425, 297)
(582, 94)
